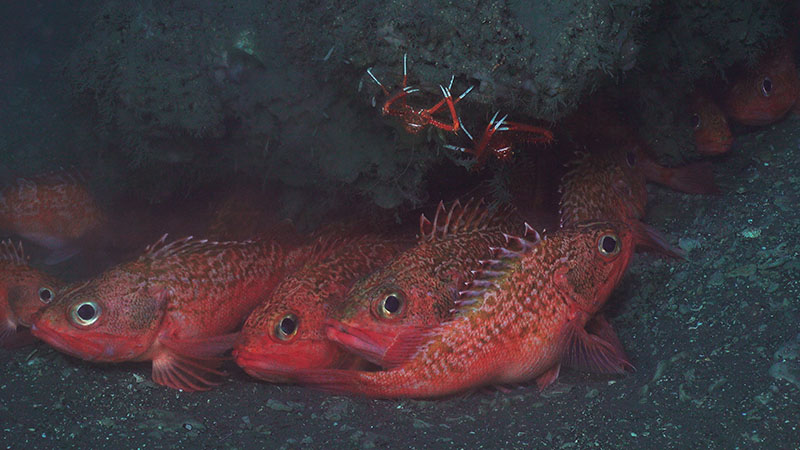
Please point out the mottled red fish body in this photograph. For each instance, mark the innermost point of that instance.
(286, 332)
(177, 305)
(418, 288)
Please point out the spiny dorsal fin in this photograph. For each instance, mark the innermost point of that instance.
(573, 166)
(491, 270)
(326, 245)
(472, 216)
(11, 252)
(161, 249)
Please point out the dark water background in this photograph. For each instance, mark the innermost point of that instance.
(714, 338)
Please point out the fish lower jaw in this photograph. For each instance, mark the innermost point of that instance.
(59, 342)
(366, 344)
(87, 349)
(260, 366)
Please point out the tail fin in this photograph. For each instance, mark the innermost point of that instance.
(651, 239)
(693, 178)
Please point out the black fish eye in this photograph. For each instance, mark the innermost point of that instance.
(390, 305)
(287, 327)
(85, 313)
(46, 294)
(766, 87)
(694, 121)
(608, 245)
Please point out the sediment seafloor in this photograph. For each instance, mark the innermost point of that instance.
(714, 340)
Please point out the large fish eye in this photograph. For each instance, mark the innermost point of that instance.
(609, 244)
(85, 313)
(46, 295)
(694, 121)
(766, 87)
(286, 327)
(390, 305)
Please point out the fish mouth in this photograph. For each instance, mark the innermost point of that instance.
(259, 365)
(370, 345)
(90, 349)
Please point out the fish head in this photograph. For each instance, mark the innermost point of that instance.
(23, 289)
(381, 307)
(712, 134)
(27, 290)
(596, 255)
(766, 92)
(286, 334)
(112, 318)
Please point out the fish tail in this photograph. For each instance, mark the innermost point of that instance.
(694, 178)
(649, 238)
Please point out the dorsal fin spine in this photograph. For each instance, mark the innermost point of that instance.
(488, 274)
(11, 252)
(161, 249)
(449, 221)
(483, 283)
(424, 223)
(491, 270)
(471, 216)
(530, 230)
(436, 221)
(470, 211)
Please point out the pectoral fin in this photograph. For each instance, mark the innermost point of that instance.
(192, 364)
(593, 348)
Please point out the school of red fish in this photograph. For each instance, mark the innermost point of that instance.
(485, 294)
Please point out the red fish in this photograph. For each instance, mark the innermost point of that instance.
(286, 332)
(418, 288)
(764, 93)
(177, 305)
(23, 292)
(53, 210)
(712, 134)
(605, 184)
(608, 185)
(532, 308)
(691, 178)
(597, 126)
